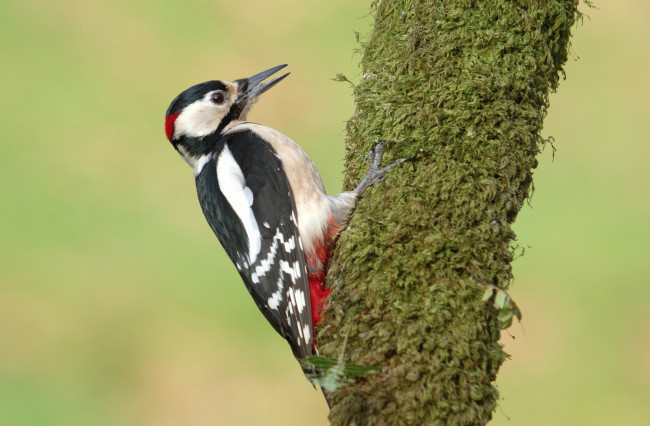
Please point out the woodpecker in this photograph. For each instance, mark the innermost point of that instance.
(264, 200)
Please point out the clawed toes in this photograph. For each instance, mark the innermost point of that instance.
(376, 175)
(392, 166)
(375, 154)
(371, 156)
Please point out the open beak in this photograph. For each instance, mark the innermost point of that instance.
(255, 85)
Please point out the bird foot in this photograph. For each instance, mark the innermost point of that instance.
(376, 175)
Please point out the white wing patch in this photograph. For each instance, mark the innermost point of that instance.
(239, 196)
(249, 195)
(312, 208)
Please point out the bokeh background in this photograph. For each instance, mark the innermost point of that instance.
(118, 306)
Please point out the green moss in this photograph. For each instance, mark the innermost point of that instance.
(462, 87)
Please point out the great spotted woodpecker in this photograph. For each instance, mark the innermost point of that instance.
(264, 199)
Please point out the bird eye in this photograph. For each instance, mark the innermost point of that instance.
(218, 98)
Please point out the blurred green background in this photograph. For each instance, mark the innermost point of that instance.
(118, 306)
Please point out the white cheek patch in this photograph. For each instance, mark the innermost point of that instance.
(239, 196)
(199, 119)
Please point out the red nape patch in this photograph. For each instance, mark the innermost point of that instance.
(169, 124)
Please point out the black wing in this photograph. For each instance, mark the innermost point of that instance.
(261, 238)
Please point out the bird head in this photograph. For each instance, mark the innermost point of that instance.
(204, 110)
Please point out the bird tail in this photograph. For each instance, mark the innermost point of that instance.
(326, 395)
(312, 373)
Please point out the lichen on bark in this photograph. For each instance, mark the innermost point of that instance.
(462, 88)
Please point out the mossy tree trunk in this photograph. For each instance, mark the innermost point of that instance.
(461, 87)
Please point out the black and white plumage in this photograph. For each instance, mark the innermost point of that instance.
(249, 206)
(264, 199)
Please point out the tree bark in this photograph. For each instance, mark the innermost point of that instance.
(462, 88)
